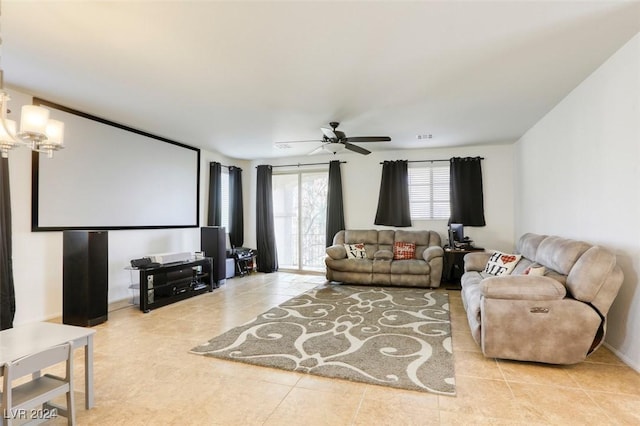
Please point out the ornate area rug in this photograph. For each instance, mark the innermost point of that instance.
(399, 337)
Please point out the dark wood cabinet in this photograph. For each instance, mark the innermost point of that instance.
(454, 263)
(85, 277)
(166, 284)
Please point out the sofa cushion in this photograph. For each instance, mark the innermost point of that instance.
(590, 273)
(337, 251)
(403, 251)
(350, 265)
(560, 254)
(528, 244)
(355, 251)
(522, 287)
(412, 267)
(501, 263)
(386, 239)
(383, 255)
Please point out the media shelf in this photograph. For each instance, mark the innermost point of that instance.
(170, 283)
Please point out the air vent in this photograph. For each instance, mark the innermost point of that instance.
(425, 136)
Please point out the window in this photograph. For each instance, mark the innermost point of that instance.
(299, 213)
(429, 191)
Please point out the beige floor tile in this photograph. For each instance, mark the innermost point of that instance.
(475, 364)
(534, 373)
(313, 407)
(621, 409)
(401, 396)
(606, 378)
(458, 419)
(569, 406)
(482, 398)
(309, 381)
(395, 412)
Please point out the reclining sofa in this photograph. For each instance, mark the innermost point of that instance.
(386, 257)
(551, 308)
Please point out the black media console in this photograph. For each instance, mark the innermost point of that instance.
(169, 283)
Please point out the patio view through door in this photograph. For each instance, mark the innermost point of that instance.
(299, 212)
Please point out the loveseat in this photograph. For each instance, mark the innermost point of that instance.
(386, 257)
(551, 307)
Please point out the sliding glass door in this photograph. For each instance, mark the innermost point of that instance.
(300, 205)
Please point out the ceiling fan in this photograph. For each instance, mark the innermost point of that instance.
(335, 141)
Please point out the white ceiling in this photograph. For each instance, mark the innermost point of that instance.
(235, 77)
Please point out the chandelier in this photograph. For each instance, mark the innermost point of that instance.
(37, 131)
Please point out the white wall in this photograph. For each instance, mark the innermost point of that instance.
(37, 256)
(361, 185)
(578, 171)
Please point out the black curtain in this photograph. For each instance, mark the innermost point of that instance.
(465, 187)
(393, 201)
(267, 256)
(7, 290)
(215, 194)
(335, 209)
(236, 215)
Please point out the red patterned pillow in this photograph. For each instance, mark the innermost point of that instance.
(403, 251)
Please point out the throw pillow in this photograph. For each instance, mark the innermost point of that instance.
(501, 263)
(355, 251)
(403, 251)
(537, 271)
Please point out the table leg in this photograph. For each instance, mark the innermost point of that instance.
(88, 372)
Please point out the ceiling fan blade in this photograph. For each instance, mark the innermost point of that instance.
(329, 133)
(369, 139)
(356, 148)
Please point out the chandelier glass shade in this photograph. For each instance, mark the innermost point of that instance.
(37, 131)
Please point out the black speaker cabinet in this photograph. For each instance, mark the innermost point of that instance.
(85, 276)
(214, 244)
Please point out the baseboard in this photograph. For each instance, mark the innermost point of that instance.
(623, 357)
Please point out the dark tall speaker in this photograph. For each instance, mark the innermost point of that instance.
(214, 244)
(85, 276)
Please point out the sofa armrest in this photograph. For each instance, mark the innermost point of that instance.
(432, 252)
(522, 287)
(383, 255)
(476, 261)
(337, 251)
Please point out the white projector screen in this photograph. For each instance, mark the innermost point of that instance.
(110, 176)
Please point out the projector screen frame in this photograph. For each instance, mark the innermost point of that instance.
(35, 175)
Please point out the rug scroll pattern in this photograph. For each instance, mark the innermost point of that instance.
(399, 337)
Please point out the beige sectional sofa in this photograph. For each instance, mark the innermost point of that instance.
(377, 265)
(558, 317)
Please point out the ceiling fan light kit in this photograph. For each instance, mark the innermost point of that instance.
(335, 141)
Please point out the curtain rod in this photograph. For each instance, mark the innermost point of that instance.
(221, 165)
(431, 161)
(306, 164)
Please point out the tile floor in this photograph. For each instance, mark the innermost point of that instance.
(145, 375)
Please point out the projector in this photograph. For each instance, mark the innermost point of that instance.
(164, 258)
